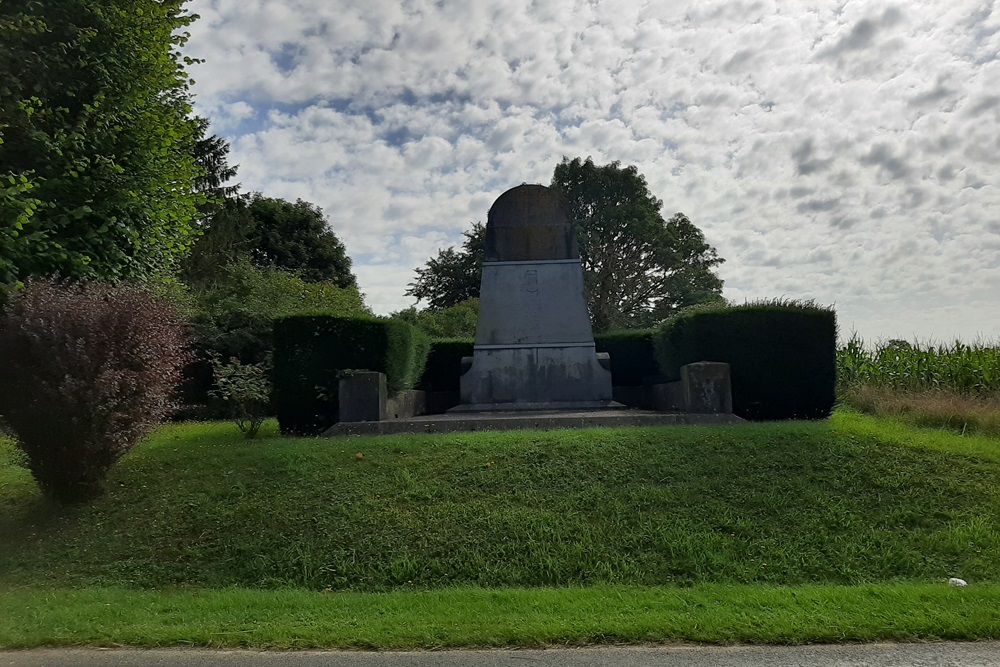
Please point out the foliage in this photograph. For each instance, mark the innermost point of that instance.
(898, 364)
(88, 370)
(454, 276)
(246, 391)
(960, 412)
(782, 355)
(444, 364)
(312, 351)
(458, 321)
(211, 153)
(633, 360)
(954, 386)
(272, 233)
(232, 316)
(638, 268)
(97, 153)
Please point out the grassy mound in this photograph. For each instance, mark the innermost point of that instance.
(848, 501)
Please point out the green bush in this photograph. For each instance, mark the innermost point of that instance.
(232, 317)
(633, 359)
(312, 351)
(444, 364)
(245, 390)
(782, 355)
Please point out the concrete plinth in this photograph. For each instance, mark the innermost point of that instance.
(707, 387)
(534, 344)
(362, 397)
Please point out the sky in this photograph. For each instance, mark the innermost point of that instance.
(844, 152)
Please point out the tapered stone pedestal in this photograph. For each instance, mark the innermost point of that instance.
(534, 343)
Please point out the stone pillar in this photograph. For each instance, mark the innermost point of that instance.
(362, 397)
(707, 387)
(534, 343)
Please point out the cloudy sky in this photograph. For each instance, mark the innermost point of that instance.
(847, 152)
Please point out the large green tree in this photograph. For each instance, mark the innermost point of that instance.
(271, 232)
(97, 154)
(638, 267)
(454, 275)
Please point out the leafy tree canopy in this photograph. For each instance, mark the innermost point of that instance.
(97, 163)
(458, 321)
(454, 275)
(638, 268)
(271, 233)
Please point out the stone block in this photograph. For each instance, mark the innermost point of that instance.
(668, 397)
(707, 387)
(362, 397)
(407, 404)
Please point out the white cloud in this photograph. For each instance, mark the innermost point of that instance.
(845, 153)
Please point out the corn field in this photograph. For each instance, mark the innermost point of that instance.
(896, 364)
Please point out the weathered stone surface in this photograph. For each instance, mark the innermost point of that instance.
(529, 222)
(707, 387)
(532, 303)
(536, 374)
(534, 342)
(362, 397)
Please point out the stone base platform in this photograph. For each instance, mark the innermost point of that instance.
(532, 420)
(552, 406)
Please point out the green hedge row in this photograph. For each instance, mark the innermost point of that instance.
(782, 355)
(633, 359)
(444, 364)
(312, 351)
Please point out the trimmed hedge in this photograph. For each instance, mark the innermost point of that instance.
(633, 359)
(444, 364)
(312, 351)
(783, 355)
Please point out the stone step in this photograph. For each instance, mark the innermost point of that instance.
(527, 420)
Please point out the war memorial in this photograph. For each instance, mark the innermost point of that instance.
(534, 363)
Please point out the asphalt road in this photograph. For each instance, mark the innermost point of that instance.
(975, 654)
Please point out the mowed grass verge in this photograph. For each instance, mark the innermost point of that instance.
(846, 529)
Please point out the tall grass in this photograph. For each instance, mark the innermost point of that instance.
(897, 364)
(953, 385)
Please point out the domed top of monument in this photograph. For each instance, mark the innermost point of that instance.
(528, 223)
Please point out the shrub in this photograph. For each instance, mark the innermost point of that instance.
(89, 369)
(444, 364)
(245, 390)
(782, 355)
(633, 360)
(232, 318)
(312, 351)
(458, 321)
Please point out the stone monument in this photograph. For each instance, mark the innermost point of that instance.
(534, 345)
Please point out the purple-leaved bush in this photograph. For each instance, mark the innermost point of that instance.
(86, 370)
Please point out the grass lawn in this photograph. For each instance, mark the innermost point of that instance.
(776, 532)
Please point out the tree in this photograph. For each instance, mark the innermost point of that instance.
(211, 153)
(458, 321)
(454, 275)
(638, 268)
(97, 139)
(272, 233)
